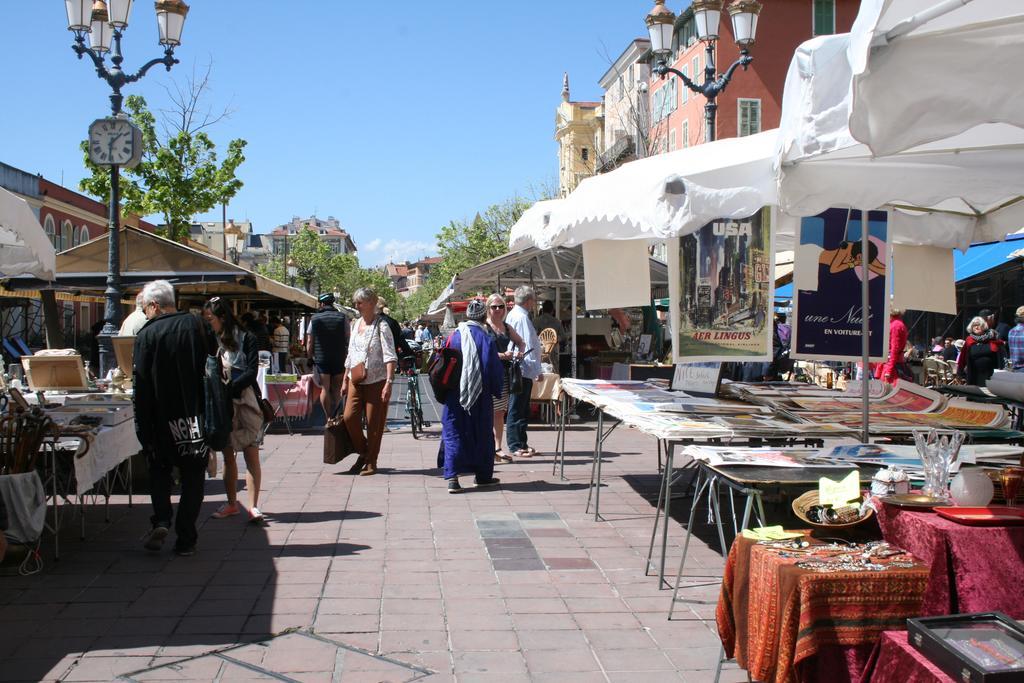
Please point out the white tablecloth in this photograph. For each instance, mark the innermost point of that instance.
(110, 446)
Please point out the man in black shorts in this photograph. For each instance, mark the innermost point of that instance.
(327, 345)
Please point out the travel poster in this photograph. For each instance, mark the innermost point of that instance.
(827, 307)
(720, 282)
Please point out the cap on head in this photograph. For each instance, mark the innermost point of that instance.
(326, 299)
(476, 310)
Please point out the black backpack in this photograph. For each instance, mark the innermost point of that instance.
(445, 370)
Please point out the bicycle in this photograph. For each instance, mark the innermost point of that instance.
(413, 401)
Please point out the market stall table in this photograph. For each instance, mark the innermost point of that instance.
(784, 622)
(291, 399)
(974, 569)
(894, 660)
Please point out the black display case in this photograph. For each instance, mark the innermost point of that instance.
(973, 648)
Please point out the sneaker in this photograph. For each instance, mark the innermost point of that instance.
(454, 486)
(226, 510)
(185, 550)
(154, 538)
(493, 481)
(256, 517)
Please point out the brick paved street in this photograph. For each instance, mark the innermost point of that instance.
(387, 578)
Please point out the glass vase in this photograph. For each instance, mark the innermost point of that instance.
(938, 449)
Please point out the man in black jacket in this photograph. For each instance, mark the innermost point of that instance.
(170, 357)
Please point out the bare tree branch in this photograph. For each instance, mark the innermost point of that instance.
(188, 112)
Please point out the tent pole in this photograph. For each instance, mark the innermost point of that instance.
(865, 329)
(572, 330)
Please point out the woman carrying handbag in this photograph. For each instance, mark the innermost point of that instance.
(369, 374)
(236, 349)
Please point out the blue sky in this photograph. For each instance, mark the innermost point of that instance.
(393, 117)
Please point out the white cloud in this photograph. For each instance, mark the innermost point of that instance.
(373, 245)
(401, 250)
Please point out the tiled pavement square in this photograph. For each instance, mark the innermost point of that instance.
(515, 583)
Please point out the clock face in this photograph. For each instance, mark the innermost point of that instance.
(113, 141)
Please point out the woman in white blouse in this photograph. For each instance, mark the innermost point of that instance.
(369, 373)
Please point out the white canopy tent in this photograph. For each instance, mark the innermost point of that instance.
(559, 268)
(951, 192)
(927, 70)
(24, 247)
(658, 197)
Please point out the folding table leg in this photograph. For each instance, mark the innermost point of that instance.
(657, 517)
(701, 482)
(669, 461)
(594, 461)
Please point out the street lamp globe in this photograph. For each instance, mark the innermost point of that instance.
(744, 15)
(661, 24)
(79, 15)
(100, 31)
(170, 17)
(706, 15)
(119, 10)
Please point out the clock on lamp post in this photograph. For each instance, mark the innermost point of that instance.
(115, 141)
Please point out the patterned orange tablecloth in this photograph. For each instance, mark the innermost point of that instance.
(774, 617)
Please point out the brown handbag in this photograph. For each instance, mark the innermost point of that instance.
(337, 443)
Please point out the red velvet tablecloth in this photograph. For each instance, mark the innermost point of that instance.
(782, 623)
(295, 399)
(896, 661)
(974, 569)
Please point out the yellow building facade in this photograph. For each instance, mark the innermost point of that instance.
(579, 131)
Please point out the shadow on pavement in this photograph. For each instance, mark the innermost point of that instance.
(107, 595)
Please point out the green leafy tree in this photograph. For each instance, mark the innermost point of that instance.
(462, 245)
(179, 175)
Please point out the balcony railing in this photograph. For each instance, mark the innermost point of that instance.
(614, 154)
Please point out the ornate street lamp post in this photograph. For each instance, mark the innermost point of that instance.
(706, 15)
(115, 141)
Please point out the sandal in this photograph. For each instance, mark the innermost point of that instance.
(500, 457)
(357, 467)
(527, 453)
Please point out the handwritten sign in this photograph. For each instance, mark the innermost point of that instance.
(697, 379)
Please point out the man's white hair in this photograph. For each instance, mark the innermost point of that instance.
(523, 294)
(159, 292)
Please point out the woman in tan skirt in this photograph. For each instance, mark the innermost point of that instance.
(239, 358)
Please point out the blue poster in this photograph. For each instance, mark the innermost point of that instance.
(828, 275)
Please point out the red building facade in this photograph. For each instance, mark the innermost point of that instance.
(753, 100)
(70, 218)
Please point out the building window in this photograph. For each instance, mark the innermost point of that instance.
(686, 134)
(696, 69)
(83, 234)
(66, 235)
(824, 17)
(671, 140)
(686, 91)
(585, 153)
(749, 116)
(687, 34)
(50, 230)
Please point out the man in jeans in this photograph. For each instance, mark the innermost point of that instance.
(519, 404)
(170, 358)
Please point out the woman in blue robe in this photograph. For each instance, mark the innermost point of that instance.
(467, 438)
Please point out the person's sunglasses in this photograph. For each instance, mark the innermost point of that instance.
(497, 308)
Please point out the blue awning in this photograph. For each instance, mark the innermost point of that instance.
(982, 257)
(785, 292)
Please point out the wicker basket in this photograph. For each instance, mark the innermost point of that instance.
(810, 499)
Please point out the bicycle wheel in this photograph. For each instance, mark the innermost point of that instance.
(412, 405)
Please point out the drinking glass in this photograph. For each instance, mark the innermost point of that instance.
(938, 449)
(1011, 478)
